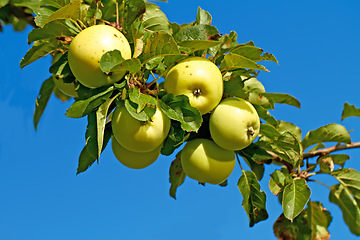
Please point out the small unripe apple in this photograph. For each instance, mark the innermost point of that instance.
(199, 79)
(138, 136)
(135, 160)
(234, 124)
(86, 50)
(206, 162)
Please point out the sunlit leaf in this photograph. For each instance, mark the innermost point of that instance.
(296, 195)
(350, 111)
(69, 11)
(254, 200)
(329, 133)
(282, 98)
(133, 10)
(233, 61)
(154, 20)
(203, 17)
(176, 175)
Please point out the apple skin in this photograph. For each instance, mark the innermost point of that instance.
(139, 136)
(199, 79)
(86, 50)
(134, 160)
(66, 88)
(234, 124)
(206, 162)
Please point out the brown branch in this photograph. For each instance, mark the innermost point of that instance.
(328, 150)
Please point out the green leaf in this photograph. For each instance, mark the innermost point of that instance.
(283, 127)
(61, 66)
(319, 220)
(81, 108)
(159, 44)
(292, 230)
(133, 65)
(3, 3)
(350, 179)
(295, 197)
(329, 133)
(196, 45)
(57, 28)
(254, 200)
(286, 146)
(154, 20)
(277, 182)
(178, 108)
(69, 11)
(350, 111)
(234, 87)
(203, 17)
(339, 159)
(86, 159)
(109, 60)
(91, 136)
(197, 32)
(176, 175)
(254, 153)
(176, 137)
(47, 88)
(233, 61)
(253, 53)
(269, 131)
(39, 49)
(282, 98)
(144, 115)
(340, 196)
(133, 10)
(326, 164)
(265, 115)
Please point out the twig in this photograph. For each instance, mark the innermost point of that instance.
(328, 150)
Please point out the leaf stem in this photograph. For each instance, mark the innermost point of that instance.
(238, 160)
(312, 180)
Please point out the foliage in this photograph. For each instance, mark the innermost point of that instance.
(158, 45)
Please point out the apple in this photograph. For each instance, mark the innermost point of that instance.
(199, 79)
(66, 88)
(206, 162)
(135, 160)
(86, 50)
(234, 124)
(138, 136)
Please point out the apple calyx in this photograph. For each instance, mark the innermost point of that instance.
(197, 92)
(250, 131)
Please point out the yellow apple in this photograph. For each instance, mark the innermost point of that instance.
(86, 50)
(135, 160)
(234, 124)
(199, 79)
(206, 162)
(66, 88)
(139, 136)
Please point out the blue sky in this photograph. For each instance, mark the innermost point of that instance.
(317, 44)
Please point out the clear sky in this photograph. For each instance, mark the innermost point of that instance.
(317, 44)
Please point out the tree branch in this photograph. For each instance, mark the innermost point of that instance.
(328, 150)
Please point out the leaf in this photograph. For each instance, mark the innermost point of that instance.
(175, 138)
(86, 159)
(255, 153)
(133, 10)
(340, 196)
(265, 115)
(319, 220)
(178, 108)
(203, 17)
(284, 229)
(234, 87)
(282, 98)
(91, 136)
(197, 32)
(295, 197)
(233, 61)
(39, 49)
(47, 88)
(254, 53)
(269, 131)
(176, 175)
(81, 108)
(109, 60)
(350, 111)
(339, 159)
(330, 133)
(195, 45)
(58, 28)
(69, 11)
(133, 65)
(154, 20)
(159, 44)
(283, 127)
(254, 200)
(350, 179)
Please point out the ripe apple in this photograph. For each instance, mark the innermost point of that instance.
(86, 50)
(234, 124)
(206, 162)
(199, 79)
(66, 88)
(135, 160)
(139, 136)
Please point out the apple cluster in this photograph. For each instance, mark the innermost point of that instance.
(233, 124)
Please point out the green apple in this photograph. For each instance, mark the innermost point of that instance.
(206, 162)
(66, 88)
(86, 50)
(234, 124)
(135, 160)
(138, 136)
(199, 79)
